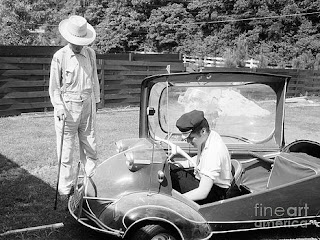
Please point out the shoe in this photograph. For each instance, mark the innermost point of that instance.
(71, 191)
(64, 197)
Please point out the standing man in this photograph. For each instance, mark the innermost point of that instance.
(75, 92)
(212, 173)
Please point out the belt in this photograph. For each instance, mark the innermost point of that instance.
(76, 97)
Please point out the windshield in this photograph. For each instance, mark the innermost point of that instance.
(234, 110)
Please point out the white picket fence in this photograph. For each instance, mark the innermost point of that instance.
(215, 61)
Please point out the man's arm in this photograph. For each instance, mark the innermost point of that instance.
(96, 84)
(54, 86)
(202, 191)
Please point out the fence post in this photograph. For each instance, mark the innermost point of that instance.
(101, 63)
(44, 88)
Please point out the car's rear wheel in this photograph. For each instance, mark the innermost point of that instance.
(154, 232)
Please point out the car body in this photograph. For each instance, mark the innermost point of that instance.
(274, 184)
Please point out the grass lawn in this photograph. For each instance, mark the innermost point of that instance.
(28, 171)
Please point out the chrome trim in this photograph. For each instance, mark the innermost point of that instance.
(267, 220)
(94, 219)
(253, 229)
(168, 209)
(101, 199)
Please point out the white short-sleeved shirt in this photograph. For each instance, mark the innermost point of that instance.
(214, 161)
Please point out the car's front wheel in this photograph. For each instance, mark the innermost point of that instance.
(154, 232)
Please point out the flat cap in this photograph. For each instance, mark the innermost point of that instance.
(189, 121)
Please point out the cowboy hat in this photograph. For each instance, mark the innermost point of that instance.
(77, 31)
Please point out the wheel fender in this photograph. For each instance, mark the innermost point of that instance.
(189, 226)
(145, 221)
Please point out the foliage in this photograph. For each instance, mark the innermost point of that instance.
(263, 61)
(316, 65)
(283, 31)
(241, 52)
(168, 27)
(304, 61)
(230, 60)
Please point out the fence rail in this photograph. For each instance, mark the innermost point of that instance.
(24, 79)
(203, 62)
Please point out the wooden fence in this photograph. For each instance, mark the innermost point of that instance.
(303, 82)
(121, 80)
(24, 80)
(24, 77)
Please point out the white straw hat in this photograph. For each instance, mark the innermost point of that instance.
(77, 31)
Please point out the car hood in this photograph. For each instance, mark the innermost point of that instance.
(134, 168)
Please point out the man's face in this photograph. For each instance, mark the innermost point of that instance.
(196, 138)
(75, 48)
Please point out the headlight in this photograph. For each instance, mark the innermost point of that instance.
(134, 161)
(124, 144)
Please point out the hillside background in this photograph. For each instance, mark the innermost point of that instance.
(278, 33)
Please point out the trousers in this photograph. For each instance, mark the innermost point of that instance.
(183, 180)
(80, 120)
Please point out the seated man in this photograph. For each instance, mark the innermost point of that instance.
(212, 173)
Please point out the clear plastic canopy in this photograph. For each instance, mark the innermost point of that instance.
(237, 111)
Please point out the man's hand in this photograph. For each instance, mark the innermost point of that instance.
(97, 107)
(61, 114)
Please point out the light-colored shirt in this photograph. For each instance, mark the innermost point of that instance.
(214, 161)
(74, 76)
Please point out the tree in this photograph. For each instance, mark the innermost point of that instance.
(168, 28)
(21, 22)
(241, 52)
(279, 30)
(316, 65)
(120, 30)
(304, 61)
(14, 23)
(229, 59)
(263, 61)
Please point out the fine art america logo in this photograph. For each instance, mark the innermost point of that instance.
(281, 216)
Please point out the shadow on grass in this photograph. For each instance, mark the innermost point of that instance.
(27, 201)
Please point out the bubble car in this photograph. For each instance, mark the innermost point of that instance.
(274, 184)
